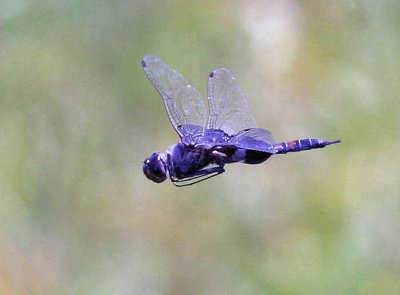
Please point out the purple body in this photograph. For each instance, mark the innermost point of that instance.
(221, 133)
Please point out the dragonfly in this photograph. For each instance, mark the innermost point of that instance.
(213, 134)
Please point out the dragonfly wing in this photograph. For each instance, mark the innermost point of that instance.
(184, 103)
(256, 139)
(228, 106)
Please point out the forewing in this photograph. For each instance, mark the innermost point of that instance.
(228, 106)
(184, 103)
(256, 139)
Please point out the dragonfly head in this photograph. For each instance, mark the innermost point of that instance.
(154, 168)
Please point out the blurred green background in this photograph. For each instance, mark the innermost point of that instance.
(78, 117)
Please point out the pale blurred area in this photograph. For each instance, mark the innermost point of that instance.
(78, 117)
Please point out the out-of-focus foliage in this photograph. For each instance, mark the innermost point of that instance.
(78, 116)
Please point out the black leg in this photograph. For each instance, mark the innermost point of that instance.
(204, 174)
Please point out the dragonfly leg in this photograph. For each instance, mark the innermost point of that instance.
(203, 174)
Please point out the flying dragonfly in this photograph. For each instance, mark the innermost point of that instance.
(222, 132)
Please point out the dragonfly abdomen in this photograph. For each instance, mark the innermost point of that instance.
(302, 145)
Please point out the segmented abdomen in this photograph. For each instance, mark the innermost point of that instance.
(302, 145)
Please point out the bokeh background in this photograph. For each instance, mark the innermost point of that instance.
(78, 117)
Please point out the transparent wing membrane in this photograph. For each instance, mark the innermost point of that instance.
(256, 139)
(184, 103)
(228, 106)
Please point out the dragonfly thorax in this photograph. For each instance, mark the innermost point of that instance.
(155, 167)
(185, 160)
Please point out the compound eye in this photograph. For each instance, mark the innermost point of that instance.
(154, 169)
